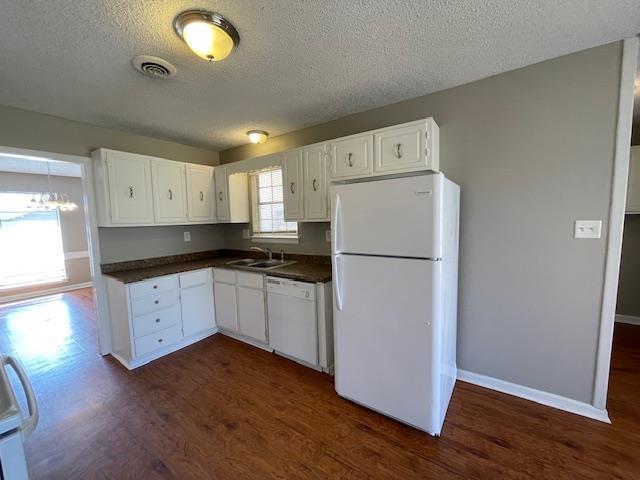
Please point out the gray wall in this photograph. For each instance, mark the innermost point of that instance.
(629, 285)
(532, 150)
(23, 129)
(72, 224)
(312, 239)
(131, 243)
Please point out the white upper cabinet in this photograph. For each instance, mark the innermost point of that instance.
(633, 187)
(409, 147)
(222, 194)
(352, 157)
(123, 181)
(292, 183)
(315, 183)
(169, 192)
(200, 194)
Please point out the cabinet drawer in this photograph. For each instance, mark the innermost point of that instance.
(155, 341)
(352, 156)
(252, 280)
(155, 321)
(155, 285)
(400, 148)
(224, 275)
(192, 279)
(153, 303)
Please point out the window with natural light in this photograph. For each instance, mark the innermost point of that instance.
(30, 243)
(267, 199)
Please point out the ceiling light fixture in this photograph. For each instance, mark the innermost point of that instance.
(257, 136)
(208, 34)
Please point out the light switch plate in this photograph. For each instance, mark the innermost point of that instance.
(327, 235)
(587, 229)
(187, 236)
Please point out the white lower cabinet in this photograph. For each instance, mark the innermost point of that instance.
(240, 303)
(155, 317)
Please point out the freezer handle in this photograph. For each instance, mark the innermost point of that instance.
(337, 282)
(29, 423)
(336, 225)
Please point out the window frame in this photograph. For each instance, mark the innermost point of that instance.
(256, 234)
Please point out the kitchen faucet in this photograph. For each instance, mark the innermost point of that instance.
(267, 252)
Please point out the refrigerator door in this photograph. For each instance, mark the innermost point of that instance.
(385, 322)
(399, 217)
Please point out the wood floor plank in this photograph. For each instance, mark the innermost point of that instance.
(221, 409)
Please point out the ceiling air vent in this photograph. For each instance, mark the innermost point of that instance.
(153, 67)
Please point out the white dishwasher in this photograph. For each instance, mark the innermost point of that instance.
(293, 322)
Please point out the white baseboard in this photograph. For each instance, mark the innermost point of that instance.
(538, 396)
(630, 319)
(43, 293)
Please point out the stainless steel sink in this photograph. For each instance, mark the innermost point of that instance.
(269, 264)
(244, 261)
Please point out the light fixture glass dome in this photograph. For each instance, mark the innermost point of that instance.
(257, 136)
(207, 34)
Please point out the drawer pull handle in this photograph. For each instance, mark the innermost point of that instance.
(157, 320)
(159, 340)
(201, 196)
(130, 191)
(349, 160)
(155, 286)
(398, 151)
(292, 188)
(170, 195)
(220, 196)
(314, 184)
(156, 302)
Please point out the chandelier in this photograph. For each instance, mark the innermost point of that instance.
(51, 200)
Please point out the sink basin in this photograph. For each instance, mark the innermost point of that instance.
(244, 261)
(268, 264)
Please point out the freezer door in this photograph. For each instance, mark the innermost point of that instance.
(394, 217)
(384, 322)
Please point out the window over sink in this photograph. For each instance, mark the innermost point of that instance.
(267, 219)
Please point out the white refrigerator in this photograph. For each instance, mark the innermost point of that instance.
(395, 278)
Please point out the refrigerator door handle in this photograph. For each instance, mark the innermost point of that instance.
(337, 283)
(336, 225)
(29, 424)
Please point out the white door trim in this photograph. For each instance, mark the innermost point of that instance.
(616, 220)
(91, 224)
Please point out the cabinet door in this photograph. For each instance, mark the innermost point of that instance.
(197, 309)
(292, 185)
(222, 194)
(226, 306)
(129, 188)
(251, 313)
(352, 157)
(633, 187)
(399, 149)
(200, 194)
(315, 183)
(169, 191)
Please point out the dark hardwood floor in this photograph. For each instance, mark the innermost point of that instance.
(222, 409)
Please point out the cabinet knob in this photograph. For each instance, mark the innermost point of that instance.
(349, 159)
(292, 187)
(220, 196)
(170, 195)
(156, 301)
(201, 196)
(130, 191)
(314, 184)
(159, 340)
(155, 286)
(157, 320)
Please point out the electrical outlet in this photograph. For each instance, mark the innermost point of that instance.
(187, 236)
(246, 233)
(327, 235)
(587, 229)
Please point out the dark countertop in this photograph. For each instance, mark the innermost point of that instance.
(304, 269)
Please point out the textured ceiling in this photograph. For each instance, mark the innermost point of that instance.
(299, 62)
